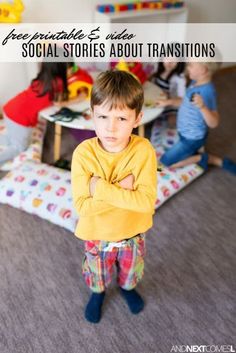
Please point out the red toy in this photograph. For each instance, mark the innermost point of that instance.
(78, 82)
(134, 68)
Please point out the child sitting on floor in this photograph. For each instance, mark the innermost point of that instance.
(197, 113)
(114, 191)
(21, 112)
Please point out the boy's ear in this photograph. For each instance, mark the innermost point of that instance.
(138, 119)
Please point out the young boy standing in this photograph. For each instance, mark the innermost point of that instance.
(114, 191)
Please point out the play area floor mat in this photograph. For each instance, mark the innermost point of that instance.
(170, 181)
(42, 190)
(45, 190)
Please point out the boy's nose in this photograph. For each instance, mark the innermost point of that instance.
(111, 125)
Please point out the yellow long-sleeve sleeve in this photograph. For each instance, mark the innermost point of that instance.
(83, 202)
(141, 199)
(114, 213)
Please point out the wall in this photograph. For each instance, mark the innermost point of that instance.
(212, 11)
(58, 10)
(83, 10)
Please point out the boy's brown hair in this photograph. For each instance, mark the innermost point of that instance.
(119, 89)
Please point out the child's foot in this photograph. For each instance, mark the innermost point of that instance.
(94, 307)
(229, 165)
(133, 299)
(203, 161)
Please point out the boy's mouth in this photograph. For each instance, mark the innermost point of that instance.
(111, 139)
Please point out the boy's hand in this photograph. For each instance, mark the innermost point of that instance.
(92, 184)
(197, 101)
(128, 182)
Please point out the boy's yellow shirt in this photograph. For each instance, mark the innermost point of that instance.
(113, 213)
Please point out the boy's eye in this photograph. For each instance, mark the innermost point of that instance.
(121, 119)
(102, 116)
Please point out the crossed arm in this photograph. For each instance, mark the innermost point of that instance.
(93, 195)
(127, 183)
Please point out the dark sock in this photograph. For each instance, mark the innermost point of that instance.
(94, 307)
(133, 299)
(229, 165)
(203, 161)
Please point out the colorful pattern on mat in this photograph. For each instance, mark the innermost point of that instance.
(33, 152)
(46, 191)
(42, 190)
(170, 181)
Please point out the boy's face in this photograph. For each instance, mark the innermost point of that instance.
(196, 70)
(114, 126)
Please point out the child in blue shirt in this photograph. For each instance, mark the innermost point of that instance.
(197, 113)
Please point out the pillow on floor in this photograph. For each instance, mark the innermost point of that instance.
(33, 152)
(170, 181)
(42, 190)
(46, 191)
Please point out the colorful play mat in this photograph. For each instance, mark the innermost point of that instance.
(45, 191)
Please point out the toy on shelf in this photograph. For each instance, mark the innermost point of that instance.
(134, 68)
(11, 13)
(140, 5)
(80, 81)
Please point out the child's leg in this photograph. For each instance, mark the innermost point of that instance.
(19, 136)
(97, 272)
(15, 140)
(181, 151)
(206, 159)
(130, 271)
(187, 161)
(225, 163)
(215, 160)
(9, 153)
(4, 140)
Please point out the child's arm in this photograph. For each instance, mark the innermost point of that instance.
(64, 103)
(175, 102)
(211, 117)
(126, 183)
(142, 198)
(84, 204)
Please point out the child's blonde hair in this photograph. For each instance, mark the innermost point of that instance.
(212, 66)
(119, 89)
